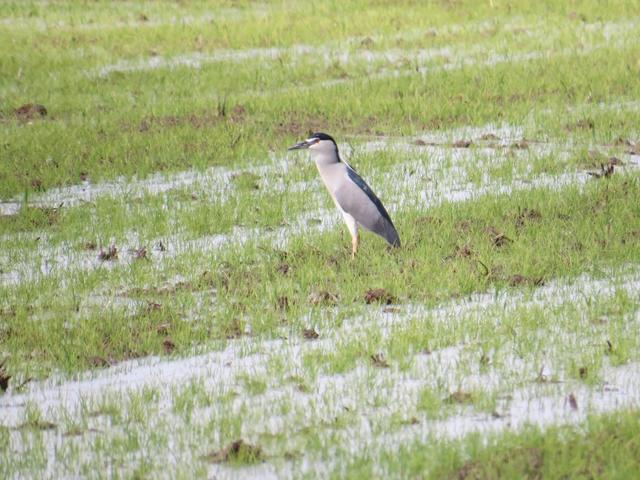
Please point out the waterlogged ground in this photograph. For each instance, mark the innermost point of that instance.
(177, 297)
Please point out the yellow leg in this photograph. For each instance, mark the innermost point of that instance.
(355, 241)
(352, 225)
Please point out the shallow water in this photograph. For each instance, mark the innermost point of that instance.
(439, 174)
(378, 397)
(340, 52)
(155, 371)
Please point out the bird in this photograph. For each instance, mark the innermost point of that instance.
(351, 194)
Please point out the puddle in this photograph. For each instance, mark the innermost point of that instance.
(217, 181)
(370, 399)
(9, 208)
(223, 366)
(354, 394)
(329, 51)
(455, 57)
(454, 60)
(439, 174)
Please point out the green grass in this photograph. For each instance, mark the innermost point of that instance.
(168, 120)
(218, 259)
(603, 447)
(451, 253)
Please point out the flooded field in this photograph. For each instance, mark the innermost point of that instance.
(177, 297)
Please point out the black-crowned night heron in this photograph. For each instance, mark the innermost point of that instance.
(353, 197)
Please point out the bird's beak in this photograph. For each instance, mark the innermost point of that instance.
(298, 146)
(306, 144)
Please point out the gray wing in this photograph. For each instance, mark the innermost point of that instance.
(357, 199)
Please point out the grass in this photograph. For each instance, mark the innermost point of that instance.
(455, 248)
(556, 452)
(188, 284)
(165, 119)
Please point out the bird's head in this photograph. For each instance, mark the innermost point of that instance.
(318, 142)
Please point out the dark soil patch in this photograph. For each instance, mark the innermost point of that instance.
(77, 431)
(461, 251)
(282, 303)
(4, 377)
(467, 224)
(238, 451)
(98, 362)
(583, 124)
(108, 255)
(302, 388)
(238, 113)
(36, 185)
(391, 310)
(634, 150)
(163, 328)
(462, 144)
(421, 143)
(49, 216)
(283, 268)
(607, 169)
(310, 334)
(141, 253)
(519, 280)
(527, 216)
(489, 136)
(37, 425)
(204, 119)
(379, 295)
(460, 397)
(498, 238)
(132, 355)
(30, 111)
(323, 297)
(235, 329)
(368, 42)
(521, 145)
(622, 142)
(378, 360)
(300, 128)
(168, 345)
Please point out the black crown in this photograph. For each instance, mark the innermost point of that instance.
(322, 136)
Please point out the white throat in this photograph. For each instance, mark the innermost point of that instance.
(324, 152)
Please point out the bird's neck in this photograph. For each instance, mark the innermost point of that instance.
(331, 169)
(325, 158)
